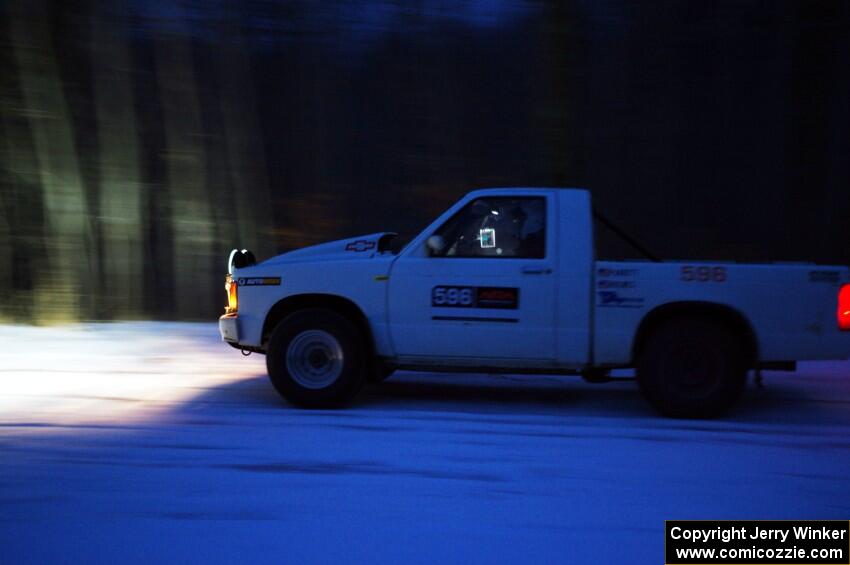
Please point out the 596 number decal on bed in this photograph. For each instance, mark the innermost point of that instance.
(506, 298)
(702, 273)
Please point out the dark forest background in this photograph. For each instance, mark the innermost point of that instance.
(141, 141)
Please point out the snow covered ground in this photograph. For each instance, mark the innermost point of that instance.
(154, 442)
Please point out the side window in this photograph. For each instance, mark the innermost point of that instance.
(496, 227)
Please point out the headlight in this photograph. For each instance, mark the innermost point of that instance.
(240, 260)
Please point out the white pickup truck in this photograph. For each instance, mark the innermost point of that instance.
(506, 280)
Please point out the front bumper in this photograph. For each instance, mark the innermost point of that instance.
(228, 327)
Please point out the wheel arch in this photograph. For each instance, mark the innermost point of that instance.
(334, 302)
(724, 313)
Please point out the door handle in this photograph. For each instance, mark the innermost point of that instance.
(536, 271)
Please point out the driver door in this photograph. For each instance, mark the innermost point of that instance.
(487, 295)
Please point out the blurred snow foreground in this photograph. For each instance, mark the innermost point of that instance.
(145, 442)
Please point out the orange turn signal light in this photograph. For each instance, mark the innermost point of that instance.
(232, 289)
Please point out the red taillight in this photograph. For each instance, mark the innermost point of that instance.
(844, 308)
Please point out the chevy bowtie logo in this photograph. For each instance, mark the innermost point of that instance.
(360, 245)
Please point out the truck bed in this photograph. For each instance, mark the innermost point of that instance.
(791, 308)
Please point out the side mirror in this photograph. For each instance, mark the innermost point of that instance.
(435, 244)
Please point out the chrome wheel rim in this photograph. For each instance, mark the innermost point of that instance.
(314, 359)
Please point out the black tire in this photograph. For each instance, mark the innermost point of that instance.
(341, 370)
(692, 368)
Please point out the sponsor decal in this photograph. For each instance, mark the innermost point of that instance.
(259, 281)
(497, 297)
(613, 298)
(605, 283)
(503, 298)
(824, 276)
(606, 272)
(360, 246)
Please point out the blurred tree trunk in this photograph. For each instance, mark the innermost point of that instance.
(838, 165)
(157, 250)
(244, 142)
(7, 194)
(70, 32)
(22, 236)
(558, 113)
(818, 121)
(119, 195)
(68, 237)
(192, 226)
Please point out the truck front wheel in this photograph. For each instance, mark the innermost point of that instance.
(692, 368)
(315, 359)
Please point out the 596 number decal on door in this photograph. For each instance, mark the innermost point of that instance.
(462, 296)
(475, 297)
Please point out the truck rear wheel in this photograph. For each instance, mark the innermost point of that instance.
(315, 359)
(692, 368)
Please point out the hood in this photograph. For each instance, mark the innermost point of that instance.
(360, 247)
